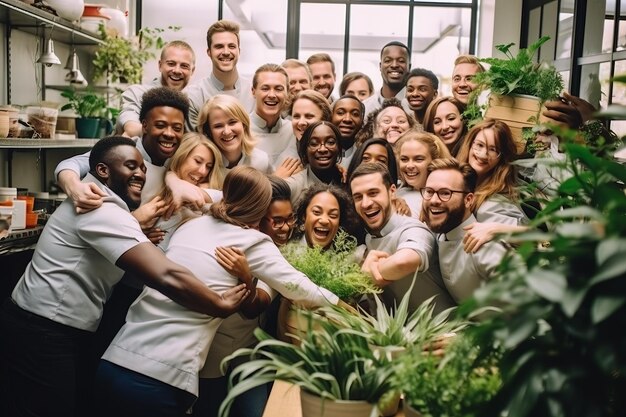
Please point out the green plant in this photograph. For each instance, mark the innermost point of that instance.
(122, 59)
(334, 269)
(86, 103)
(564, 306)
(458, 384)
(330, 361)
(519, 74)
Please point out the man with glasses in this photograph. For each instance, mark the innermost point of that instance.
(398, 247)
(447, 210)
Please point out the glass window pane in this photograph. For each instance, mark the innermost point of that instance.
(564, 36)
(263, 34)
(621, 37)
(322, 30)
(594, 84)
(161, 14)
(366, 39)
(534, 23)
(619, 127)
(548, 28)
(599, 15)
(566, 78)
(619, 89)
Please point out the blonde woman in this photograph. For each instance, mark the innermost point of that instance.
(225, 121)
(414, 151)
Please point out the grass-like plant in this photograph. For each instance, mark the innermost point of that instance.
(330, 361)
(335, 269)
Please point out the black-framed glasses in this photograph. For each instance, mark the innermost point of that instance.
(444, 194)
(279, 222)
(481, 148)
(329, 144)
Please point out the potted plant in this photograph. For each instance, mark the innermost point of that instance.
(122, 59)
(518, 87)
(459, 383)
(91, 108)
(332, 365)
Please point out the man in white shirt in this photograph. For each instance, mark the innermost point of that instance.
(395, 63)
(448, 197)
(323, 74)
(465, 68)
(223, 48)
(176, 65)
(398, 247)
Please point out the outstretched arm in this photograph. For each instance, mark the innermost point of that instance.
(86, 196)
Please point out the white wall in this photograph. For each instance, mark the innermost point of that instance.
(500, 22)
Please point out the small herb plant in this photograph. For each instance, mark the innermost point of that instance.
(330, 361)
(334, 269)
(85, 103)
(519, 74)
(122, 59)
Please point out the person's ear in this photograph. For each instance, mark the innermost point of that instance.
(392, 191)
(469, 200)
(144, 126)
(102, 170)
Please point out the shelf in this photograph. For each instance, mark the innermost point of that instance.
(111, 89)
(30, 19)
(46, 143)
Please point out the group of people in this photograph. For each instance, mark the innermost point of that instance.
(166, 255)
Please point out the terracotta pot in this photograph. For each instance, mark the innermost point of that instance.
(314, 406)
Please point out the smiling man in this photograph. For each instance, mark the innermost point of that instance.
(421, 90)
(270, 90)
(465, 68)
(223, 49)
(395, 63)
(48, 324)
(348, 117)
(323, 74)
(448, 197)
(176, 65)
(398, 247)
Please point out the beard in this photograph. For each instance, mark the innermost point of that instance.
(453, 219)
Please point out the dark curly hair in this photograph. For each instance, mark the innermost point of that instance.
(357, 158)
(163, 97)
(368, 129)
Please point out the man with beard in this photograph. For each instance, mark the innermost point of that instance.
(323, 75)
(465, 68)
(176, 65)
(49, 322)
(223, 49)
(421, 90)
(447, 210)
(398, 247)
(394, 66)
(162, 115)
(348, 115)
(274, 134)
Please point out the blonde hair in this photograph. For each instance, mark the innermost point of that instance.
(503, 178)
(233, 109)
(316, 98)
(189, 142)
(435, 146)
(469, 59)
(222, 26)
(247, 196)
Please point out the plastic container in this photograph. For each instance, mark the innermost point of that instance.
(43, 120)
(4, 124)
(19, 215)
(6, 217)
(30, 202)
(7, 194)
(14, 126)
(31, 219)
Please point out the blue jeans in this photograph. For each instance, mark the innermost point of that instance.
(122, 392)
(43, 364)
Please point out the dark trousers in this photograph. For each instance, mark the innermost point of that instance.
(120, 392)
(42, 364)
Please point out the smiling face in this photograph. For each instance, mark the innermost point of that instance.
(125, 174)
(162, 131)
(375, 153)
(321, 220)
(372, 200)
(227, 133)
(359, 88)
(303, 113)
(224, 52)
(394, 65)
(485, 160)
(176, 67)
(419, 93)
(279, 211)
(322, 149)
(413, 163)
(198, 165)
(447, 123)
(270, 95)
(462, 84)
(298, 80)
(347, 117)
(391, 123)
(444, 216)
(323, 77)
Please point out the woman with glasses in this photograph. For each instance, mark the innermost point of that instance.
(490, 149)
(414, 151)
(320, 152)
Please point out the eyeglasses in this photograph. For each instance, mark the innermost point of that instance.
(444, 194)
(279, 222)
(329, 144)
(481, 148)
